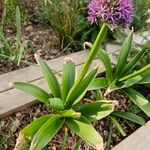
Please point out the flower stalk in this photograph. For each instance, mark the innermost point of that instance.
(93, 51)
(136, 73)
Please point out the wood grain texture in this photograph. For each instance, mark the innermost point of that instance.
(139, 140)
(13, 99)
(33, 73)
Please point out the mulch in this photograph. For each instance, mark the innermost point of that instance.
(11, 125)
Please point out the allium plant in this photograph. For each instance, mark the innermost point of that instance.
(113, 12)
(117, 13)
(64, 100)
(124, 77)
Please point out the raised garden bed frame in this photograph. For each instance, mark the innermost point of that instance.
(12, 100)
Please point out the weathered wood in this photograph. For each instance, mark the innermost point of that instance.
(139, 140)
(33, 73)
(13, 99)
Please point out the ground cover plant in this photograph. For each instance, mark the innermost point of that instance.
(121, 70)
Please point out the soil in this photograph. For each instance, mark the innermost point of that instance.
(39, 39)
(11, 125)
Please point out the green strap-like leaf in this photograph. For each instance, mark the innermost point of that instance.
(50, 77)
(86, 131)
(129, 116)
(56, 103)
(46, 133)
(145, 78)
(18, 22)
(133, 62)
(20, 46)
(118, 126)
(68, 78)
(130, 82)
(78, 91)
(33, 90)
(97, 110)
(32, 128)
(98, 83)
(138, 100)
(124, 52)
(104, 57)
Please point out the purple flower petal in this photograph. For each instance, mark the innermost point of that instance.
(114, 12)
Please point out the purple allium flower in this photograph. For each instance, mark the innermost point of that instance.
(114, 12)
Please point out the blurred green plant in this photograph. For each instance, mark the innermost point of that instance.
(123, 77)
(12, 49)
(8, 10)
(64, 100)
(141, 8)
(145, 60)
(68, 18)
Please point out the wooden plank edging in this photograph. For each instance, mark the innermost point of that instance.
(33, 73)
(14, 100)
(139, 140)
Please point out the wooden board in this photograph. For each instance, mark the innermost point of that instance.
(33, 73)
(13, 99)
(139, 140)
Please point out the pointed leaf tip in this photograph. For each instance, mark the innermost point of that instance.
(20, 142)
(115, 103)
(100, 146)
(97, 67)
(67, 59)
(37, 57)
(11, 84)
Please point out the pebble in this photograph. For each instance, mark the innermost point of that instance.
(54, 51)
(18, 114)
(114, 135)
(29, 28)
(5, 146)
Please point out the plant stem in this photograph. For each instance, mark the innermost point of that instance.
(88, 61)
(138, 72)
(93, 51)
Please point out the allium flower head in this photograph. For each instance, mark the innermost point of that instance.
(114, 12)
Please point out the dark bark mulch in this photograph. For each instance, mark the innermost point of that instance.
(11, 125)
